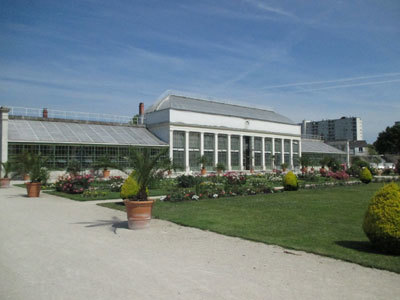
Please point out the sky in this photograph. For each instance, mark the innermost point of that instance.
(308, 60)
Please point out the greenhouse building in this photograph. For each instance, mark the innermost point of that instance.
(229, 135)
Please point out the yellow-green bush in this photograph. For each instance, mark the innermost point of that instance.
(130, 188)
(382, 220)
(290, 182)
(365, 175)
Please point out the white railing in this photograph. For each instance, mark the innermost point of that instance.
(70, 115)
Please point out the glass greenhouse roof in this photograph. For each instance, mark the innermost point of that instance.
(317, 146)
(34, 131)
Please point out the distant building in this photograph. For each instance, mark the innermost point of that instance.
(349, 129)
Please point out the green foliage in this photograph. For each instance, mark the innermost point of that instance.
(146, 166)
(398, 167)
(284, 166)
(220, 167)
(305, 161)
(388, 141)
(290, 182)
(203, 161)
(37, 172)
(365, 175)
(104, 163)
(25, 161)
(382, 219)
(8, 168)
(130, 188)
(186, 181)
(357, 165)
(74, 167)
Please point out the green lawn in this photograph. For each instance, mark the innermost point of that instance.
(109, 195)
(324, 221)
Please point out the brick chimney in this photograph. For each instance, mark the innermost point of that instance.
(45, 113)
(141, 113)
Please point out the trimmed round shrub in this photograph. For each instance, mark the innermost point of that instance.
(382, 220)
(365, 175)
(290, 182)
(130, 188)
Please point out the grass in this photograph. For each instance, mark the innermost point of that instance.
(109, 195)
(323, 221)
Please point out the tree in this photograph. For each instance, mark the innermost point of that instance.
(134, 120)
(388, 141)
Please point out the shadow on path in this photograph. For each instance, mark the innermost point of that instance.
(114, 224)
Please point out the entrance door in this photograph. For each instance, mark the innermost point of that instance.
(246, 152)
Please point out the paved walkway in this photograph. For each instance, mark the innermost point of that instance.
(54, 248)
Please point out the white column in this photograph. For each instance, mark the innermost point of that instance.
(263, 153)
(201, 143)
(3, 135)
(229, 167)
(291, 155)
(215, 149)
(171, 144)
(283, 150)
(273, 154)
(252, 160)
(241, 152)
(187, 167)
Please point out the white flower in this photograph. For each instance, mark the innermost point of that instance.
(162, 198)
(195, 197)
(215, 196)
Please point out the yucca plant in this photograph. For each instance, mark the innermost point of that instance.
(146, 166)
(8, 168)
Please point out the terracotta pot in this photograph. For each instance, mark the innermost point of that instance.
(106, 173)
(26, 177)
(5, 182)
(33, 189)
(139, 213)
(169, 172)
(203, 171)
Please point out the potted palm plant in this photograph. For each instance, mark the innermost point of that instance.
(24, 164)
(5, 181)
(220, 167)
(203, 161)
(105, 163)
(74, 168)
(134, 191)
(38, 176)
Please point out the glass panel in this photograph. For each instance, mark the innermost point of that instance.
(268, 161)
(295, 146)
(268, 145)
(223, 158)
(194, 140)
(278, 161)
(179, 140)
(257, 144)
(235, 142)
(287, 146)
(257, 159)
(209, 141)
(210, 158)
(194, 160)
(287, 159)
(235, 159)
(179, 159)
(278, 145)
(222, 142)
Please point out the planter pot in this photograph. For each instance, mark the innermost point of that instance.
(5, 182)
(203, 171)
(33, 189)
(139, 213)
(26, 177)
(106, 173)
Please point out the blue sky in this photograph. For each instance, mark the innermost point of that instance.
(305, 59)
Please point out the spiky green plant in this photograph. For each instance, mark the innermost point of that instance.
(146, 167)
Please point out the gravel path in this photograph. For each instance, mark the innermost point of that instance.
(54, 248)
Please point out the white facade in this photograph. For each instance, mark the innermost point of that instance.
(238, 143)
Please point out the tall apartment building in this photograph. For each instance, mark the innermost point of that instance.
(332, 130)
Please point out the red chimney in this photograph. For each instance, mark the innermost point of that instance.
(45, 113)
(141, 109)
